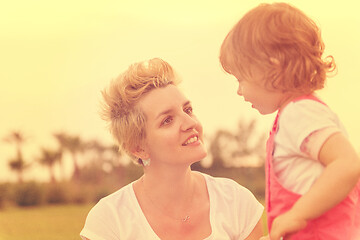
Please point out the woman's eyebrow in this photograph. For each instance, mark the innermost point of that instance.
(164, 113)
(167, 111)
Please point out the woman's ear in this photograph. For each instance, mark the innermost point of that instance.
(139, 152)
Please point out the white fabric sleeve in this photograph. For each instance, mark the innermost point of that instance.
(239, 204)
(299, 119)
(314, 142)
(99, 224)
(249, 211)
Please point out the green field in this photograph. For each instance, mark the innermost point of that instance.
(63, 222)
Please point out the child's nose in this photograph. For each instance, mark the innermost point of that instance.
(239, 91)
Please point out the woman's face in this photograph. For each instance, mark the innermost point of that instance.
(173, 133)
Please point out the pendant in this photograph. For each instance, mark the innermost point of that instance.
(185, 219)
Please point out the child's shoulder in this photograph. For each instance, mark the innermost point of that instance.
(307, 114)
(305, 107)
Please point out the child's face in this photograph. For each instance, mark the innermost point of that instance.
(254, 91)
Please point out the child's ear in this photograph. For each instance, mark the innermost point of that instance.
(139, 152)
(274, 61)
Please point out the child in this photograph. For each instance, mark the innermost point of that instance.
(312, 171)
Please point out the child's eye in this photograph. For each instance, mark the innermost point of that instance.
(188, 110)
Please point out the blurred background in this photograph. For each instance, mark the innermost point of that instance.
(56, 57)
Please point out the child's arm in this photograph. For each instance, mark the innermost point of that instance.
(341, 174)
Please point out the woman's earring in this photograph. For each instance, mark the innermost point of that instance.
(146, 162)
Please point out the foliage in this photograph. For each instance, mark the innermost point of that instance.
(231, 149)
(49, 158)
(4, 192)
(103, 192)
(103, 169)
(74, 145)
(28, 194)
(17, 163)
(253, 178)
(57, 194)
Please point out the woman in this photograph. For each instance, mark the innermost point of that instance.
(153, 122)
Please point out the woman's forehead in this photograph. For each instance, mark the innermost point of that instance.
(162, 100)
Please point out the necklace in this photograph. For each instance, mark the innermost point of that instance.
(184, 219)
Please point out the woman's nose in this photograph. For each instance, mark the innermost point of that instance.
(188, 123)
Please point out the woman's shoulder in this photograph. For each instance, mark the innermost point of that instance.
(116, 200)
(234, 204)
(121, 193)
(223, 186)
(105, 219)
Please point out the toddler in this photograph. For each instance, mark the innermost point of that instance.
(312, 171)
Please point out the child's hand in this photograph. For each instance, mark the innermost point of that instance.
(265, 238)
(268, 238)
(285, 225)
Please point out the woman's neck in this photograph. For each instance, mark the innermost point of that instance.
(170, 193)
(168, 185)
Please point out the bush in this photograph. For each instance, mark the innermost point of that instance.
(3, 194)
(80, 198)
(57, 194)
(100, 194)
(28, 194)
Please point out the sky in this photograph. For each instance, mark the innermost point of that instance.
(56, 57)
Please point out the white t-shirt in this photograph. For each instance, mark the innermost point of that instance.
(234, 212)
(304, 126)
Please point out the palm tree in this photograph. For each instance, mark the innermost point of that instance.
(61, 139)
(218, 146)
(97, 152)
(74, 145)
(249, 143)
(229, 148)
(49, 158)
(17, 163)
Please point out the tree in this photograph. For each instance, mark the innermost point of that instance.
(217, 147)
(249, 143)
(230, 149)
(61, 139)
(49, 158)
(17, 163)
(74, 145)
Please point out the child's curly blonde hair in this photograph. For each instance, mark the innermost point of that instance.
(282, 41)
(126, 121)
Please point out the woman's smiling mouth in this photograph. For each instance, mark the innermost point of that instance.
(190, 140)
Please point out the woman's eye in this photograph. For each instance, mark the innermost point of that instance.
(166, 121)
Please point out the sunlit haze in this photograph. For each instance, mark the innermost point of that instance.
(56, 57)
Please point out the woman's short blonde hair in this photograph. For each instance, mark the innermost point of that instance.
(126, 121)
(281, 40)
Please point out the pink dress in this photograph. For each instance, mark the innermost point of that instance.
(339, 223)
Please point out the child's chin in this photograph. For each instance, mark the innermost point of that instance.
(265, 112)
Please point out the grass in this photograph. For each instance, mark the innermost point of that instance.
(59, 222)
